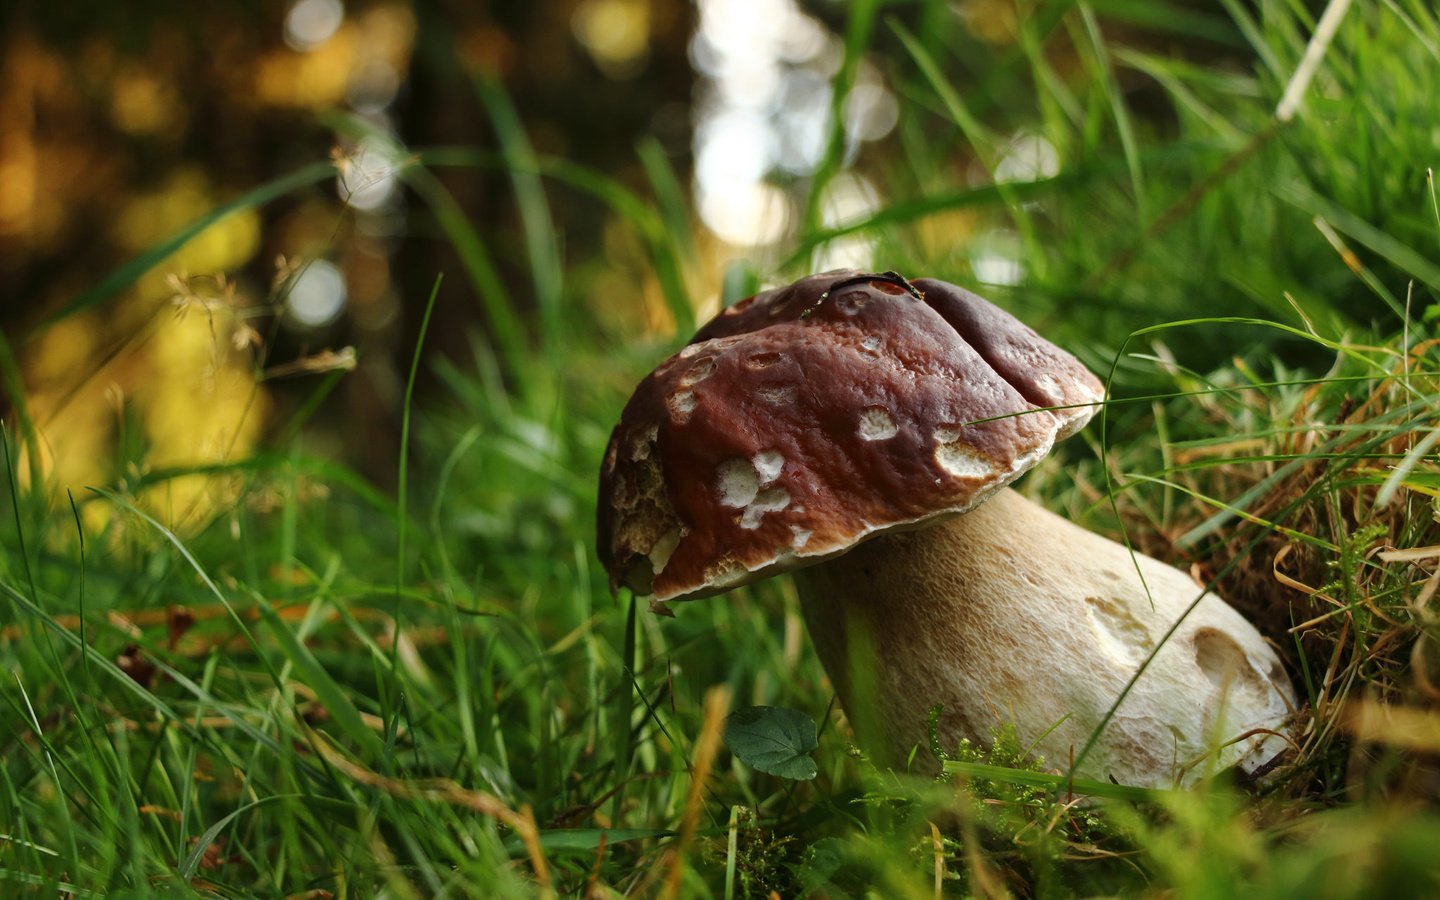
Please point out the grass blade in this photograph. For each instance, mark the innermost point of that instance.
(1057, 783)
(130, 272)
(507, 331)
(547, 264)
(192, 862)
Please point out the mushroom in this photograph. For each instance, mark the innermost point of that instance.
(861, 430)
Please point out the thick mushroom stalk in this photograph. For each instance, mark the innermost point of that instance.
(1011, 614)
(861, 429)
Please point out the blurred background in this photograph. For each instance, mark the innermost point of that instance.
(206, 208)
(119, 128)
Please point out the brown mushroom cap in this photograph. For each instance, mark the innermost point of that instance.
(811, 417)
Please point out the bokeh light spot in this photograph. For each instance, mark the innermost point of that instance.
(317, 296)
(616, 34)
(311, 23)
(995, 258)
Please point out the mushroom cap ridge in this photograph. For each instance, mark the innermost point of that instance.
(808, 418)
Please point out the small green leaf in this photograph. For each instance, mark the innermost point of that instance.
(774, 740)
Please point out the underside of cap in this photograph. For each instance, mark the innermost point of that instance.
(809, 418)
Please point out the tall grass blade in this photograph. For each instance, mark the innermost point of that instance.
(859, 24)
(623, 714)
(1057, 783)
(130, 272)
(506, 330)
(547, 264)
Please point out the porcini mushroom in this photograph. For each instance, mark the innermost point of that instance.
(861, 430)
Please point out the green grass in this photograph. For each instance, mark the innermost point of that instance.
(1261, 295)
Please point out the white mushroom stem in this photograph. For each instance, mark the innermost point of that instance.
(1010, 613)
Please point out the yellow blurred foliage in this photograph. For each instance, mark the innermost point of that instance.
(75, 438)
(142, 103)
(387, 35)
(945, 232)
(18, 163)
(199, 406)
(152, 216)
(195, 396)
(318, 77)
(314, 79)
(17, 173)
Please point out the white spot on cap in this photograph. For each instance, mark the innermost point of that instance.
(682, 404)
(801, 536)
(768, 465)
(876, 424)
(872, 343)
(664, 548)
(703, 369)
(1051, 386)
(1025, 461)
(962, 462)
(738, 483)
(959, 459)
(851, 302)
(763, 360)
(724, 574)
(640, 445)
(770, 500)
(781, 395)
